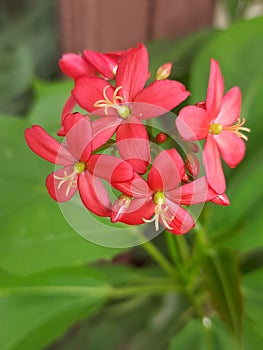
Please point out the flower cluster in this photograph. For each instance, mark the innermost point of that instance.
(114, 91)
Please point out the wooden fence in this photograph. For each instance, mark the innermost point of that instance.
(107, 25)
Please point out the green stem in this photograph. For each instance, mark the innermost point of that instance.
(160, 259)
(174, 254)
(181, 256)
(183, 249)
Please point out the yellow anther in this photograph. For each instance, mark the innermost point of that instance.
(215, 129)
(80, 167)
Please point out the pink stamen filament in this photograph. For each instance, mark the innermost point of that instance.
(72, 183)
(237, 127)
(107, 103)
(159, 212)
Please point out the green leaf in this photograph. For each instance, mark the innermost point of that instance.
(253, 300)
(49, 102)
(253, 295)
(16, 73)
(180, 52)
(239, 225)
(198, 335)
(139, 323)
(38, 309)
(223, 284)
(34, 234)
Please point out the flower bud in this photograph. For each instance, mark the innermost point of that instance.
(164, 71)
(201, 104)
(192, 164)
(161, 137)
(185, 178)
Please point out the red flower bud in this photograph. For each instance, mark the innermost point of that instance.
(192, 164)
(161, 137)
(201, 104)
(185, 178)
(164, 71)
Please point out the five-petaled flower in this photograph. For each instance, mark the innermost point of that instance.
(81, 170)
(159, 199)
(129, 102)
(217, 120)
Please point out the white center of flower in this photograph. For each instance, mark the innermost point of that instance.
(116, 102)
(160, 211)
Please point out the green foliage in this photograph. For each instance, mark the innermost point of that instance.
(37, 309)
(203, 335)
(223, 284)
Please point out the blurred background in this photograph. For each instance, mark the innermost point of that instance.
(35, 240)
(36, 33)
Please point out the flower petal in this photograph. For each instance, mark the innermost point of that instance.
(166, 171)
(221, 199)
(110, 168)
(103, 63)
(75, 66)
(182, 221)
(132, 72)
(164, 93)
(194, 192)
(213, 166)
(231, 147)
(103, 128)
(78, 135)
(47, 147)
(93, 194)
(88, 91)
(230, 107)
(146, 110)
(133, 144)
(193, 123)
(62, 184)
(215, 90)
(137, 187)
(68, 108)
(139, 209)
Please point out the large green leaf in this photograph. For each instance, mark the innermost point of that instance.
(239, 225)
(34, 234)
(38, 309)
(253, 300)
(203, 335)
(223, 284)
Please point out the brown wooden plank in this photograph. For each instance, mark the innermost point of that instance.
(108, 25)
(174, 18)
(103, 25)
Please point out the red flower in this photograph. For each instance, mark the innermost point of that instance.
(129, 102)
(90, 64)
(218, 121)
(81, 170)
(159, 199)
